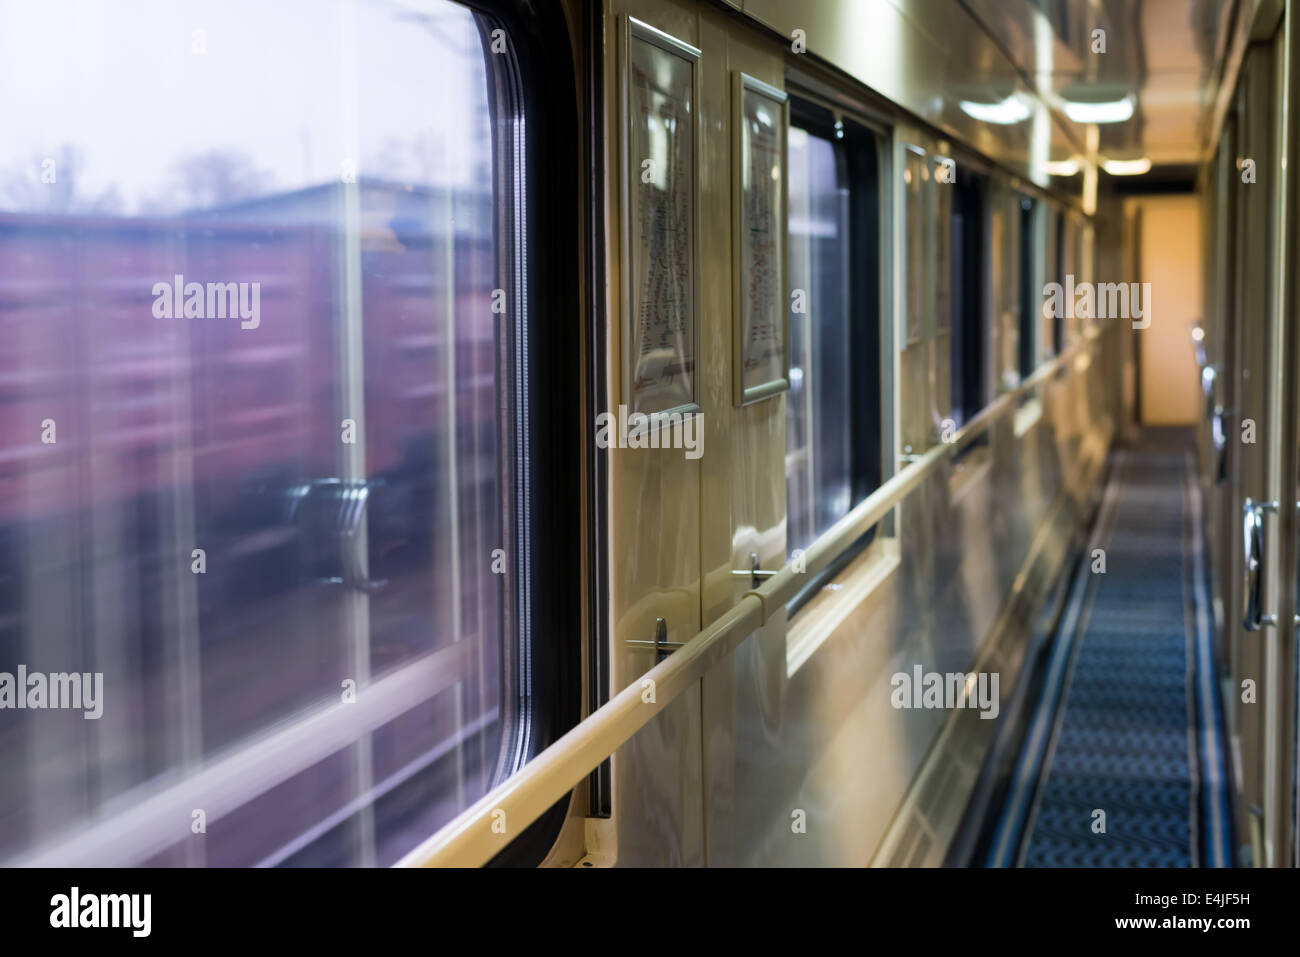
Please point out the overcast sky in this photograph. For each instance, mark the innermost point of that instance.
(296, 86)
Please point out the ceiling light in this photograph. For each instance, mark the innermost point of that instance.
(1111, 111)
(1011, 110)
(1135, 167)
(1067, 167)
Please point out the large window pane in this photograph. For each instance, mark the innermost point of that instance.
(969, 326)
(254, 421)
(1030, 297)
(819, 480)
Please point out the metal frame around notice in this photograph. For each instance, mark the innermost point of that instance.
(637, 30)
(743, 83)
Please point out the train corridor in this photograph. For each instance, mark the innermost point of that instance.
(1121, 757)
(738, 435)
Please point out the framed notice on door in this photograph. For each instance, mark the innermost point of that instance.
(660, 203)
(761, 321)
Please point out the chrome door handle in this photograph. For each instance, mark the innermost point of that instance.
(1252, 530)
(1219, 442)
(1209, 388)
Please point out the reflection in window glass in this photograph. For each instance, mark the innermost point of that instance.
(969, 328)
(1049, 324)
(818, 437)
(1064, 265)
(915, 180)
(251, 452)
(1030, 297)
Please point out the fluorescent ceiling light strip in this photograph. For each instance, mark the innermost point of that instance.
(1061, 167)
(1011, 110)
(1127, 167)
(1114, 111)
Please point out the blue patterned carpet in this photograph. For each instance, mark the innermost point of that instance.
(1123, 759)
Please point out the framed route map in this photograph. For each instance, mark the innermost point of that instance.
(660, 203)
(761, 326)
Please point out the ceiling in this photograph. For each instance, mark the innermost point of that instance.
(1164, 54)
(1021, 81)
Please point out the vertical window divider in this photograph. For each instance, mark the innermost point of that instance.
(352, 369)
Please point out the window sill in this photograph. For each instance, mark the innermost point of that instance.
(967, 471)
(826, 611)
(1027, 416)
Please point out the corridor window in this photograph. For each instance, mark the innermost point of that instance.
(284, 351)
(970, 333)
(1030, 295)
(1054, 265)
(833, 406)
(1064, 329)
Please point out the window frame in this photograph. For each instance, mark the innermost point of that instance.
(542, 269)
(537, 182)
(973, 189)
(1027, 346)
(1058, 322)
(865, 154)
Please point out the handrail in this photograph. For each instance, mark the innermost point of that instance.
(783, 586)
(482, 830)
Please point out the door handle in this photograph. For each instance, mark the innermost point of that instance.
(1219, 440)
(1209, 389)
(1253, 543)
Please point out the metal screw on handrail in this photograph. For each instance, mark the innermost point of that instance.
(661, 646)
(754, 573)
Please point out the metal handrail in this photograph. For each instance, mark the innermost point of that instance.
(482, 830)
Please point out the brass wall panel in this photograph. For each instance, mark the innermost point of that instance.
(799, 720)
(654, 520)
(928, 56)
